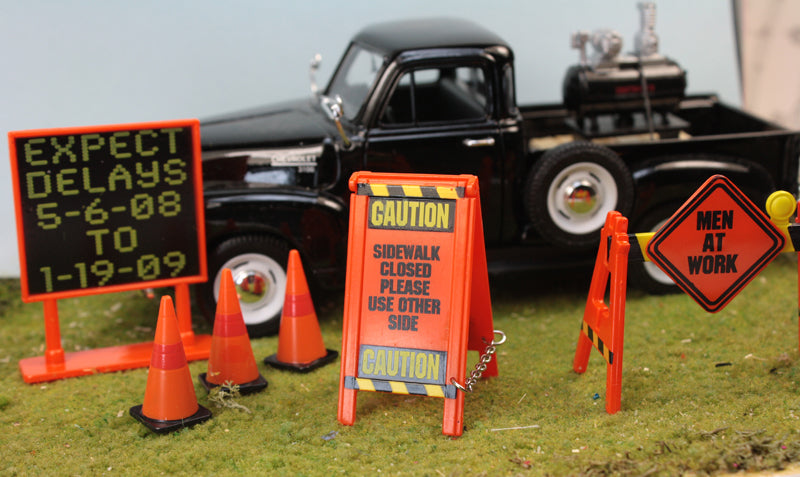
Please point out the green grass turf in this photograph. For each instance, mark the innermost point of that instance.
(701, 394)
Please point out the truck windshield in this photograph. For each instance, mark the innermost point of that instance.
(354, 78)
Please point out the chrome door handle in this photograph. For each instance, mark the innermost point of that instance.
(487, 141)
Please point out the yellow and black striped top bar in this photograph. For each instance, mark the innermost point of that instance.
(637, 252)
(423, 192)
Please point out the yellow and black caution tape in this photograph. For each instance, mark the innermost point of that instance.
(399, 387)
(598, 343)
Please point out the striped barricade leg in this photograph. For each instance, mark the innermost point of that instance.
(603, 324)
(596, 309)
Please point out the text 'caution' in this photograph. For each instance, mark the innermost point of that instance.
(413, 365)
(411, 214)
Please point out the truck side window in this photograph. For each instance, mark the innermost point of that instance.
(437, 95)
(354, 78)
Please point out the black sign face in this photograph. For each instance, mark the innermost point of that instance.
(109, 208)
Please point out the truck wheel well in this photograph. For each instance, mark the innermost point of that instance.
(646, 275)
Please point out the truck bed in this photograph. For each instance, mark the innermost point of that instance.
(701, 127)
(697, 116)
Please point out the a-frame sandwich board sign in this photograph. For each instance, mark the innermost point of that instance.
(417, 290)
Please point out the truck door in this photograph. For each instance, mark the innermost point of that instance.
(439, 120)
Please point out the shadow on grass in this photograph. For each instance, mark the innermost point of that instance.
(530, 285)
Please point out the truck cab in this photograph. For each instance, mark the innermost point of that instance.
(404, 98)
(420, 101)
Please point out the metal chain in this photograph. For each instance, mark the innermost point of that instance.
(480, 366)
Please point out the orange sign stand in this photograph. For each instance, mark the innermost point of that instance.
(713, 246)
(603, 324)
(56, 364)
(417, 290)
(129, 197)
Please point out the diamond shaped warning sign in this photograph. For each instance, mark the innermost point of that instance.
(715, 244)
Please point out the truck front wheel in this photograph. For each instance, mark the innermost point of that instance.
(258, 267)
(572, 188)
(646, 275)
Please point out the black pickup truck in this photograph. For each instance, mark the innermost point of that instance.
(438, 96)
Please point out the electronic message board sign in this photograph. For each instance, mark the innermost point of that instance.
(108, 208)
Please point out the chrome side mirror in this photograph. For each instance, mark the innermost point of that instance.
(337, 111)
(315, 62)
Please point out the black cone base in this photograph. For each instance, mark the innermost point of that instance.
(254, 386)
(272, 360)
(164, 427)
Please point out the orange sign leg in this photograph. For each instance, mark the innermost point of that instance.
(452, 423)
(582, 354)
(619, 275)
(481, 320)
(54, 353)
(352, 302)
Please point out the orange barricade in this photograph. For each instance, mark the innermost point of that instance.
(603, 324)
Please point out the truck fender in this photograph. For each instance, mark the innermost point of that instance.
(259, 275)
(570, 190)
(673, 179)
(665, 183)
(254, 239)
(646, 275)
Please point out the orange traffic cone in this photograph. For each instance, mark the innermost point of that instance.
(300, 346)
(231, 359)
(169, 399)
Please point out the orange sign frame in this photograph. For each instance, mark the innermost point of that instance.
(54, 159)
(417, 290)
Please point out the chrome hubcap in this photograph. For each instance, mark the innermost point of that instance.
(251, 285)
(581, 197)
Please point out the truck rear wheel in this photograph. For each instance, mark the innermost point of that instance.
(258, 266)
(571, 190)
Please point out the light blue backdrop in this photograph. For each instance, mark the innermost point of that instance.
(82, 62)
